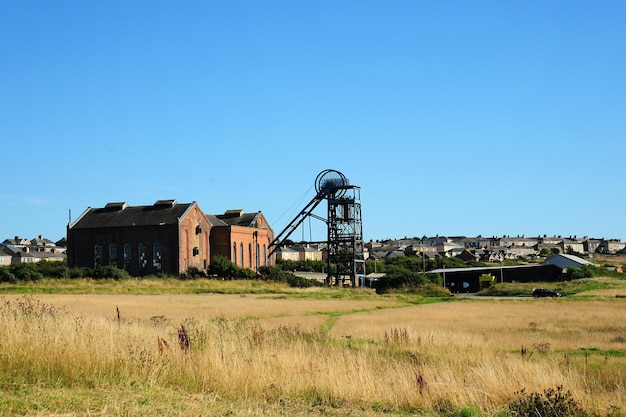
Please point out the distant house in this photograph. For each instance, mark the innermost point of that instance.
(380, 252)
(468, 256)
(572, 245)
(14, 254)
(24, 257)
(610, 246)
(308, 253)
(450, 249)
(591, 245)
(41, 244)
(395, 254)
(5, 256)
(165, 237)
(16, 243)
(286, 253)
(518, 241)
(37, 244)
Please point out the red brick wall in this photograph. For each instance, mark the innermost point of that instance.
(228, 241)
(194, 248)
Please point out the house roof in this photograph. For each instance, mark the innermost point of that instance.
(122, 215)
(564, 260)
(41, 241)
(6, 252)
(214, 220)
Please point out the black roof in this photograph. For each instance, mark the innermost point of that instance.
(122, 215)
(238, 218)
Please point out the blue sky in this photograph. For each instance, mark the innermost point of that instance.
(454, 117)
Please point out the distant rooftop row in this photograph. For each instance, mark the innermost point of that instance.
(521, 245)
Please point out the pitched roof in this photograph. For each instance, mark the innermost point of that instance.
(564, 260)
(238, 218)
(122, 215)
(214, 220)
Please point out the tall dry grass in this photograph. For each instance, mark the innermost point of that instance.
(413, 359)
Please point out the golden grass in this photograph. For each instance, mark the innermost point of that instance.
(267, 355)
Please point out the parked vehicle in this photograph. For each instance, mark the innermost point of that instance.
(544, 292)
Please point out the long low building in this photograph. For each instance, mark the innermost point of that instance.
(460, 280)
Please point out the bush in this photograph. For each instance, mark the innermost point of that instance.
(399, 278)
(78, 273)
(25, 272)
(275, 273)
(193, 273)
(552, 403)
(104, 272)
(7, 276)
(222, 267)
(590, 271)
(53, 269)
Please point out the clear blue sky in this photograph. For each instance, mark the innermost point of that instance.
(454, 117)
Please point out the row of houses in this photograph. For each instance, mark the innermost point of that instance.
(492, 249)
(21, 250)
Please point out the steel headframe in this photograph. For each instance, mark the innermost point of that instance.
(344, 254)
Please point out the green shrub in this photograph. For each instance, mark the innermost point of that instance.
(552, 403)
(275, 273)
(590, 271)
(25, 272)
(53, 269)
(104, 272)
(7, 276)
(222, 267)
(193, 273)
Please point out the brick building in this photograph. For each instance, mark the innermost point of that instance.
(243, 238)
(166, 237)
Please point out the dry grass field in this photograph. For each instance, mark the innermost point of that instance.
(285, 354)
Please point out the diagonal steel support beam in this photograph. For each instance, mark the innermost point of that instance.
(293, 225)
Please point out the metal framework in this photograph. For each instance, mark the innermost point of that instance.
(345, 258)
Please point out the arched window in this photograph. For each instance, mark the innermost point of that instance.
(113, 254)
(250, 255)
(264, 255)
(241, 255)
(127, 256)
(234, 258)
(97, 256)
(156, 256)
(143, 261)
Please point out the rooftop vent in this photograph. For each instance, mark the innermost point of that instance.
(116, 206)
(234, 213)
(165, 203)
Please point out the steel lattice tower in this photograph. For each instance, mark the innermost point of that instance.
(345, 230)
(345, 236)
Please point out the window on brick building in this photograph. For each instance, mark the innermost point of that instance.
(156, 256)
(97, 256)
(143, 260)
(127, 256)
(241, 254)
(113, 254)
(234, 258)
(250, 255)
